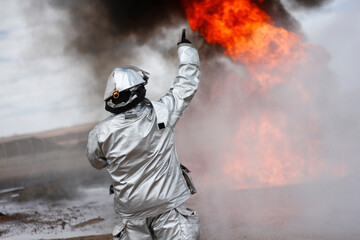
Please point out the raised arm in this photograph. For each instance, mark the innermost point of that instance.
(186, 82)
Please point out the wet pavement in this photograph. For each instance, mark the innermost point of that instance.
(91, 213)
(78, 205)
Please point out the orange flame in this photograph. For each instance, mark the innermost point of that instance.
(267, 157)
(264, 152)
(246, 34)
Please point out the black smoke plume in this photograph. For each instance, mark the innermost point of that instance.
(101, 26)
(279, 15)
(308, 3)
(106, 33)
(119, 19)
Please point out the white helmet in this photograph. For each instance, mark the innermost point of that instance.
(124, 78)
(125, 89)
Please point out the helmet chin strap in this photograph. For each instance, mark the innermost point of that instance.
(137, 97)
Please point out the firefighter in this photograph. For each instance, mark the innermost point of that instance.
(136, 146)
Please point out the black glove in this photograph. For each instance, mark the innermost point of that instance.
(183, 38)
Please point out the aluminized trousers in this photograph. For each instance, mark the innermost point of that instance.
(177, 224)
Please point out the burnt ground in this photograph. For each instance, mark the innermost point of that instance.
(67, 208)
(32, 219)
(55, 194)
(55, 205)
(99, 237)
(59, 196)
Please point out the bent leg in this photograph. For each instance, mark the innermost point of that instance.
(177, 224)
(132, 230)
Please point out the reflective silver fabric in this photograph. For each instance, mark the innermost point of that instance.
(177, 224)
(137, 147)
(121, 79)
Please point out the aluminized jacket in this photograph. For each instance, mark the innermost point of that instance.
(137, 147)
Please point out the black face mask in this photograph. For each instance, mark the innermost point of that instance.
(124, 96)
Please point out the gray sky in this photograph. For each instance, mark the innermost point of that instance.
(43, 88)
(335, 27)
(39, 83)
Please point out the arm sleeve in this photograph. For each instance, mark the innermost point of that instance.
(185, 84)
(94, 153)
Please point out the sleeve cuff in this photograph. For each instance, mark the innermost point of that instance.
(188, 54)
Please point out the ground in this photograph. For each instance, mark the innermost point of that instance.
(99, 237)
(57, 195)
(60, 210)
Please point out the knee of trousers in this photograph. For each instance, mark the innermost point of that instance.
(132, 230)
(177, 224)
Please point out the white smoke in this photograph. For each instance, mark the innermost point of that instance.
(56, 84)
(323, 205)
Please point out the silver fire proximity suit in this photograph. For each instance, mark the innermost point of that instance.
(137, 148)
